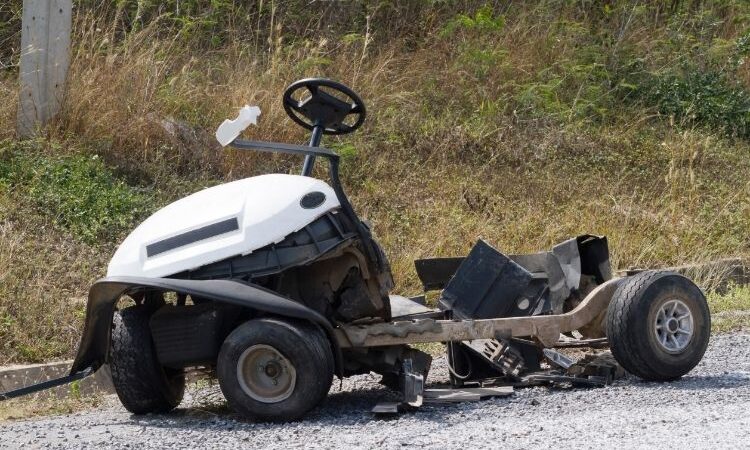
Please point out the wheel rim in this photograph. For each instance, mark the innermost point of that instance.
(265, 374)
(673, 326)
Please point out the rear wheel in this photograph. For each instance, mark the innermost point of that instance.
(658, 325)
(272, 369)
(141, 383)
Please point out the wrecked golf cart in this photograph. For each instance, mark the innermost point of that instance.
(274, 285)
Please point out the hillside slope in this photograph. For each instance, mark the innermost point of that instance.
(520, 122)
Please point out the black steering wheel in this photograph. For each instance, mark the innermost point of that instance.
(336, 114)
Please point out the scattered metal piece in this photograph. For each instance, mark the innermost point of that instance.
(412, 384)
(444, 395)
(465, 394)
(558, 358)
(388, 408)
(601, 364)
(564, 380)
(593, 370)
(450, 396)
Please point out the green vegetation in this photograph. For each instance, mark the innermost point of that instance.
(78, 192)
(730, 310)
(523, 123)
(704, 98)
(45, 404)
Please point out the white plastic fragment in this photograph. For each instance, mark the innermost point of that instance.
(230, 129)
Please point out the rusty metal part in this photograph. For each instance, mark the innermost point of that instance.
(577, 343)
(546, 329)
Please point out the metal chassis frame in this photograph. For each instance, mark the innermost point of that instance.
(545, 329)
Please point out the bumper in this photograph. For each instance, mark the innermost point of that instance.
(104, 294)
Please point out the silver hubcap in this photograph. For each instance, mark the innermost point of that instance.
(265, 374)
(673, 326)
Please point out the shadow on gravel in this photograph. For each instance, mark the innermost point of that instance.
(350, 408)
(344, 408)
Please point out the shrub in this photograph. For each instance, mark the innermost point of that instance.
(483, 21)
(705, 98)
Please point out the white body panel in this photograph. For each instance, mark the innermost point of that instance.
(267, 209)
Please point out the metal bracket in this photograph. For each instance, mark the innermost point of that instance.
(500, 354)
(412, 384)
(47, 384)
(412, 391)
(558, 359)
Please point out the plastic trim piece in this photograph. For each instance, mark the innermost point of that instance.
(199, 234)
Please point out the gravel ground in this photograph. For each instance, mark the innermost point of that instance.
(707, 408)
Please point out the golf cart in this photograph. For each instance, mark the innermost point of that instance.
(273, 284)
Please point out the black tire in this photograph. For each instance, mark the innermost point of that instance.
(304, 346)
(632, 327)
(141, 383)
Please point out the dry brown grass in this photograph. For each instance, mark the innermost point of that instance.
(452, 150)
(44, 277)
(45, 405)
(9, 98)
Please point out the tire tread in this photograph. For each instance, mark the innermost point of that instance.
(139, 380)
(627, 346)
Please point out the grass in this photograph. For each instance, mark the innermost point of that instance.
(47, 405)
(61, 216)
(44, 278)
(78, 192)
(730, 310)
(521, 123)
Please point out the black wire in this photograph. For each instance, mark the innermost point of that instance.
(451, 356)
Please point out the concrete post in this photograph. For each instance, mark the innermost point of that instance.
(45, 57)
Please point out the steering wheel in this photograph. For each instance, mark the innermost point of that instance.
(337, 114)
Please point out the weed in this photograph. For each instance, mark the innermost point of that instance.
(482, 21)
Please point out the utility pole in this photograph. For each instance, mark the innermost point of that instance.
(45, 57)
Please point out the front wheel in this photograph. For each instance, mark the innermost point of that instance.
(276, 370)
(658, 325)
(142, 384)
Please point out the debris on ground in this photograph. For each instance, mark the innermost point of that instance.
(465, 394)
(593, 369)
(598, 364)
